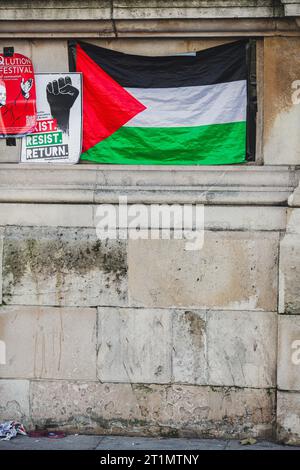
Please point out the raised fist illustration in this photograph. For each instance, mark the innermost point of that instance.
(61, 95)
(26, 87)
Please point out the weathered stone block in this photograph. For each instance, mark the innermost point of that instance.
(189, 349)
(258, 218)
(62, 403)
(55, 343)
(288, 417)
(14, 400)
(132, 9)
(47, 215)
(226, 348)
(63, 267)
(12, 155)
(288, 375)
(281, 113)
(51, 10)
(293, 220)
(289, 274)
(241, 348)
(134, 345)
(233, 271)
(1, 253)
(43, 61)
(152, 409)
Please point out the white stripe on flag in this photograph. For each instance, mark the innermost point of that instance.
(191, 106)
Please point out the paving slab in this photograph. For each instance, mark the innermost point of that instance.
(72, 442)
(259, 445)
(92, 442)
(145, 443)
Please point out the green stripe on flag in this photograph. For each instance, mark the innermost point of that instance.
(204, 145)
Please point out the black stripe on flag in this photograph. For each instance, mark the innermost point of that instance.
(225, 63)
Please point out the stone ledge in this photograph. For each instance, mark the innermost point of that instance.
(133, 18)
(202, 27)
(138, 9)
(90, 184)
(255, 218)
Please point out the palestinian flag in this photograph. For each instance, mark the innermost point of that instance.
(179, 110)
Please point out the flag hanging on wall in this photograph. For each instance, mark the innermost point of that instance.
(174, 110)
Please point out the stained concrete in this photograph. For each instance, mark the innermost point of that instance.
(102, 443)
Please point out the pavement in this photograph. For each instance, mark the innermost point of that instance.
(91, 442)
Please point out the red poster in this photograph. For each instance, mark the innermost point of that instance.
(17, 96)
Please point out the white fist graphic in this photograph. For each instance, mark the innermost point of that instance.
(26, 87)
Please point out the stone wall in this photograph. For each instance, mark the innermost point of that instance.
(140, 336)
(288, 395)
(144, 337)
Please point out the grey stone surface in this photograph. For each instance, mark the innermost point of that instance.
(152, 410)
(289, 274)
(85, 215)
(237, 218)
(293, 220)
(134, 345)
(144, 443)
(233, 271)
(1, 253)
(52, 10)
(291, 7)
(102, 184)
(195, 9)
(189, 346)
(288, 417)
(294, 198)
(281, 112)
(234, 349)
(224, 348)
(70, 442)
(106, 443)
(14, 400)
(49, 342)
(50, 215)
(91, 9)
(63, 267)
(288, 375)
(242, 348)
(259, 445)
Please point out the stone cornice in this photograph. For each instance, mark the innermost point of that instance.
(140, 18)
(92, 184)
(139, 9)
(72, 10)
(149, 28)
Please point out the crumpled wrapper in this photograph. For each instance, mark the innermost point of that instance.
(10, 429)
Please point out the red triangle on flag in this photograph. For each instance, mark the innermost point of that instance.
(107, 106)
